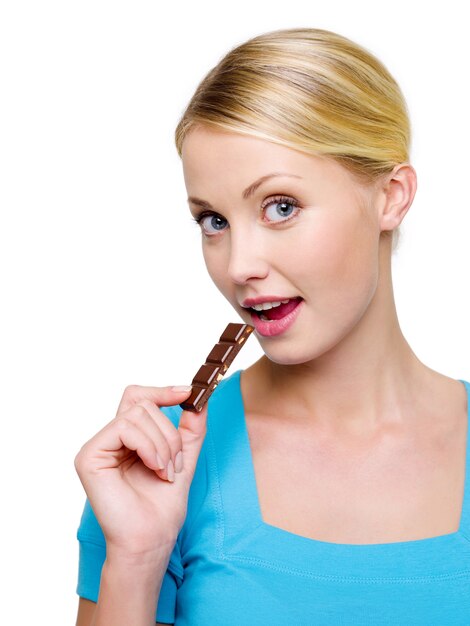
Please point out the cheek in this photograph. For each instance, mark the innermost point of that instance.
(216, 260)
(339, 259)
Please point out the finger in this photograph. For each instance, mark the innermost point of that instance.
(100, 452)
(135, 439)
(161, 396)
(151, 420)
(172, 443)
(194, 423)
(192, 427)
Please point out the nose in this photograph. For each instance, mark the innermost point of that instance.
(247, 258)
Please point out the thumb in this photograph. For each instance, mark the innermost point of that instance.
(192, 428)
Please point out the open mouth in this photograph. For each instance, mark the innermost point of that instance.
(277, 312)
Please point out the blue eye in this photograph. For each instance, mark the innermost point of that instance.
(207, 220)
(284, 208)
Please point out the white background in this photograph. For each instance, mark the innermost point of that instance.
(102, 279)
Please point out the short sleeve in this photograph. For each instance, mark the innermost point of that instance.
(92, 554)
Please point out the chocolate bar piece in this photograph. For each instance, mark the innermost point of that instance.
(217, 363)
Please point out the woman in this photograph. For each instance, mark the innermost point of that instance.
(324, 484)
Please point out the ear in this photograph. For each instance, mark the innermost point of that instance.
(397, 191)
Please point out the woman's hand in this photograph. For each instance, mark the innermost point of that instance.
(137, 506)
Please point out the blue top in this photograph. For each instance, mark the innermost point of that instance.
(229, 567)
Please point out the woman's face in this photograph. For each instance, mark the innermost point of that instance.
(311, 233)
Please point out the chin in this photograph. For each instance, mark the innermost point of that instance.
(289, 358)
(306, 351)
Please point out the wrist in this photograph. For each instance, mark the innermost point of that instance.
(129, 591)
(139, 559)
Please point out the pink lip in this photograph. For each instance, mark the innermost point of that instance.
(275, 327)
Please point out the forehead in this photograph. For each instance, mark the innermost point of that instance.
(209, 153)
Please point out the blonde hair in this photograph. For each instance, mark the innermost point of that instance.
(311, 90)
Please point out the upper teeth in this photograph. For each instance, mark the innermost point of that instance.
(268, 305)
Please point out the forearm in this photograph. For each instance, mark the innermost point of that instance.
(129, 591)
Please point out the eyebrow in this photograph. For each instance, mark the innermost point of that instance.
(249, 191)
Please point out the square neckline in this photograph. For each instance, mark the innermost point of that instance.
(463, 530)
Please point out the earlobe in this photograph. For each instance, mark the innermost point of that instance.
(399, 192)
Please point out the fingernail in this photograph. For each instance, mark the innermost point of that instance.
(170, 472)
(181, 388)
(160, 463)
(179, 462)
